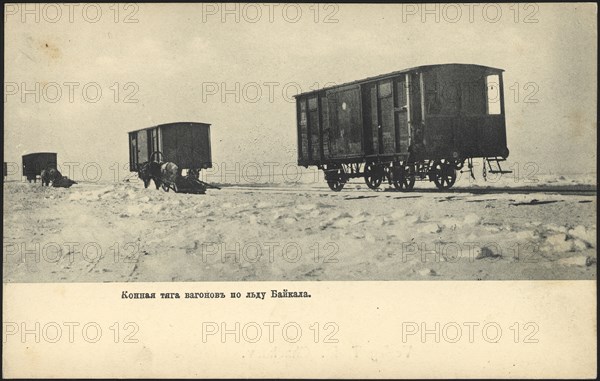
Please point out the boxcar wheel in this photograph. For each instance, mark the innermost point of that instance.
(373, 175)
(336, 185)
(334, 175)
(405, 181)
(444, 175)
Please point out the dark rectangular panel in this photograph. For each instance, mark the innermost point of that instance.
(325, 126)
(373, 126)
(142, 146)
(200, 155)
(439, 136)
(401, 116)
(386, 104)
(303, 129)
(474, 96)
(370, 120)
(313, 123)
(345, 117)
(185, 145)
(169, 143)
(133, 161)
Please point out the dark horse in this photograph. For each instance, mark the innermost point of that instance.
(150, 171)
(58, 180)
(50, 175)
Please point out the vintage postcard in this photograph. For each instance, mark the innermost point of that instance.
(251, 190)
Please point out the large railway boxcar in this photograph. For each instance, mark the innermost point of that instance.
(421, 123)
(185, 144)
(34, 163)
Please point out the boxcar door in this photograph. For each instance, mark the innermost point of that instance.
(345, 122)
(493, 133)
(480, 130)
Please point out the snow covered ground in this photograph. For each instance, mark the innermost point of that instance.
(121, 232)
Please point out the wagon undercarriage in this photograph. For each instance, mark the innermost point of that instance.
(403, 174)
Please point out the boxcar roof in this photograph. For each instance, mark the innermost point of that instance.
(40, 153)
(395, 73)
(170, 125)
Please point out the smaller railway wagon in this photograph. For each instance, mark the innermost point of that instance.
(421, 123)
(186, 144)
(34, 163)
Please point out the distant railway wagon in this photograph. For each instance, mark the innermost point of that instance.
(34, 163)
(421, 123)
(185, 144)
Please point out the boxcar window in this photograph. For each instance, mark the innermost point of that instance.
(492, 83)
(312, 103)
(385, 89)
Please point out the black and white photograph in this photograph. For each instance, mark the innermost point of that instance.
(277, 147)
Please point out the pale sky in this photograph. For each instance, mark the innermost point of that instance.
(177, 59)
